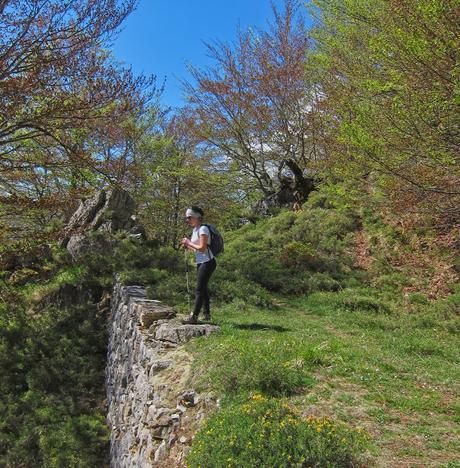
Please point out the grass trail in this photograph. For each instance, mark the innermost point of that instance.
(395, 375)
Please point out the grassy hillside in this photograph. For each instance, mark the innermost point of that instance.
(320, 362)
(309, 340)
(392, 375)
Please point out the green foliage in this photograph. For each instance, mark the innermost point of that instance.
(268, 433)
(229, 285)
(53, 383)
(292, 253)
(390, 78)
(67, 275)
(174, 178)
(135, 262)
(361, 300)
(74, 442)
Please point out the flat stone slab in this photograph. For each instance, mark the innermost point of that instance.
(178, 334)
(149, 311)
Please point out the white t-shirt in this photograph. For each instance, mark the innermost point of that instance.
(201, 257)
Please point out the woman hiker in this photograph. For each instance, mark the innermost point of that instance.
(205, 261)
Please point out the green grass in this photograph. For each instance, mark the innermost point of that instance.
(370, 365)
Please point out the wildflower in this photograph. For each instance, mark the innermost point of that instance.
(258, 397)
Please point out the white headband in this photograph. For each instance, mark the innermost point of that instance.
(192, 213)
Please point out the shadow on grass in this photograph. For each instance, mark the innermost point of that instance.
(260, 326)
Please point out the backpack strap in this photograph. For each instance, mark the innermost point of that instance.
(207, 245)
(210, 234)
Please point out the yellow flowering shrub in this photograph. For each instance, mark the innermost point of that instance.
(267, 432)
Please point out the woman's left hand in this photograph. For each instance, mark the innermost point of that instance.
(185, 242)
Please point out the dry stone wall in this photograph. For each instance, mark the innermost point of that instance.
(152, 413)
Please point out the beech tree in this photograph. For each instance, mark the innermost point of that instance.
(60, 90)
(254, 106)
(390, 78)
(175, 172)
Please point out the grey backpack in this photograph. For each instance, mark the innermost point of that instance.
(217, 241)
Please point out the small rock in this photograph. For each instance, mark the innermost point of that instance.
(150, 311)
(179, 334)
(189, 398)
(172, 439)
(181, 408)
(185, 452)
(162, 421)
(160, 452)
(157, 432)
(158, 366)
(183, 440)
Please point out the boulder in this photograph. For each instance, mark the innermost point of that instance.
(108, 211)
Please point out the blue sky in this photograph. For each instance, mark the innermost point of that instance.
(162, 36)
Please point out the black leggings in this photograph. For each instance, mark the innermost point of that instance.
(204, 272)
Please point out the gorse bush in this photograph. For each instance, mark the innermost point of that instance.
(52, 386)
(269, 433)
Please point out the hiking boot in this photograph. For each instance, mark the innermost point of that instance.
(190, 320)
(207, 318)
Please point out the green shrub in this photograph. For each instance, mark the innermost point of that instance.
(292, 253)
(269, 433)
(321, 282)
(74, 442)
(171, 289)
(53, 386)
(227, 285)
(417, 299)
(145, 276)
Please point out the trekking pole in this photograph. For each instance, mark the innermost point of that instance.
(187, 277)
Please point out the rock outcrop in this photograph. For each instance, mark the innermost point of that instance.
(151, 411)
(108, 211)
